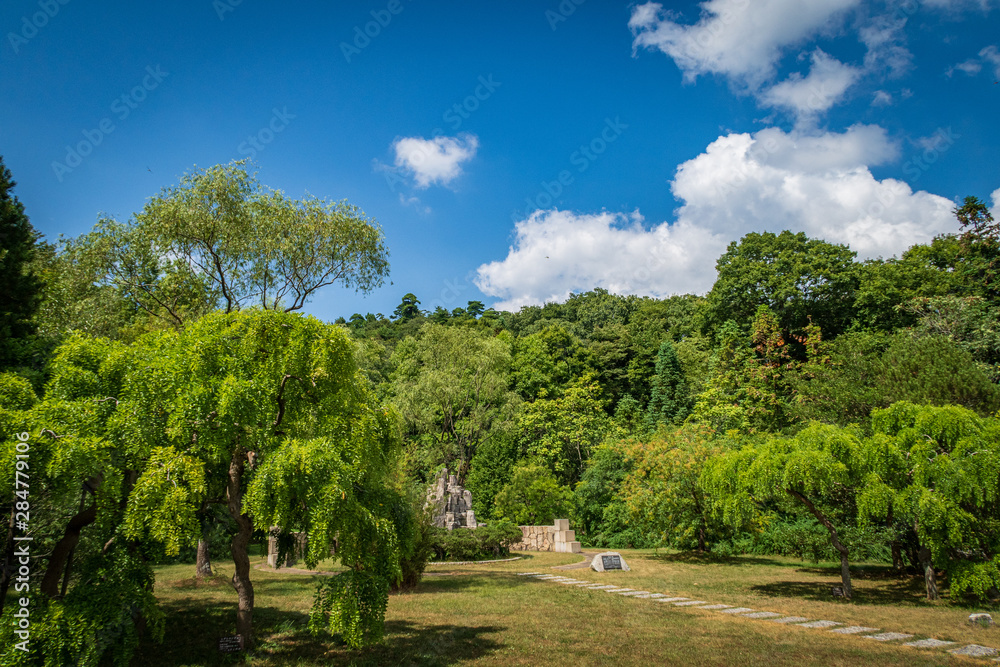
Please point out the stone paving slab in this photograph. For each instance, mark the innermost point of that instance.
(569, 582)
(617, 590)
(889, 636)
(820, 624)
(761, 614)
(526, 574)
(854, 630)
(928, 643)
(690, 603)
(736, 610)
(975, 650)
(671, 599)
(789, 619)
(656, 595)
(602, 587)
(633, 594)
(717, 606)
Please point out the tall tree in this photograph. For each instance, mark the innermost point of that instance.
(818, 469)
(670, 402)
(799, 278)
(451, 388)
(408, 308)
(235, 243)
(21, 293)
(934, 469)
(980, 241)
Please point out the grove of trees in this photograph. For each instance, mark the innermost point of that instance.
(178, 405)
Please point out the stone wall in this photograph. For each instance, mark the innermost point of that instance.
(558, 538)
(301, 543)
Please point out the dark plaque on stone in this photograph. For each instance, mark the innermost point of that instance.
(611, 562)
(232, 644)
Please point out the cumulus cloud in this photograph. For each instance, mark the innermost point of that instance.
(808, 96)
(817, 183)
(434, 161)
(740, 40)
(557, 252)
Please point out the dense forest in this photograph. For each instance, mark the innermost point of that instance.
(810, 404)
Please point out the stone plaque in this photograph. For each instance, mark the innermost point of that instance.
(609, 560)
(233, 644)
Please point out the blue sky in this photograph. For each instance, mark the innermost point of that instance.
(595, 144)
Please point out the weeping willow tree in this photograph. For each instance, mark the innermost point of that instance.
(934, 472)
(263, 413)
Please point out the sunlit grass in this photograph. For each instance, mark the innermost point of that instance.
(482, 614)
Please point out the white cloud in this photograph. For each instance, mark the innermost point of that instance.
(882, 99)
(808, 96)
(817, 183)
(434, 161)
(884, 38)
(734, 38)
(988, 56)
(971, 67)
(559, 252)
(992, 57)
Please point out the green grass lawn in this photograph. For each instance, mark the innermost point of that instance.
(484, 614)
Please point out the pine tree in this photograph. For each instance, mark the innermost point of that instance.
(21, 288)
(670, 401)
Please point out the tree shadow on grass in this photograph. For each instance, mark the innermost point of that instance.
(897, 591)
(193, 628)
(708, 558)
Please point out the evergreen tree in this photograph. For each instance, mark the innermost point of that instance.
(670, 401)
(21, 293)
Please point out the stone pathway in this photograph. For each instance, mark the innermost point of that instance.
(972, 650)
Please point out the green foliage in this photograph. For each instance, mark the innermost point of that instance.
(937, 469)
(860, 372)
(21, 293)
(165, 498)
(533, 497)
(16, 392)
(798, 278)
(490, 470)
(980, 244)
(670, 400)
(220, 239)
(351, 605)
(562, 432)
(663, 490)
(99, 620)
(451, 389)
(487, 542)
(596, 492)
(886, 287)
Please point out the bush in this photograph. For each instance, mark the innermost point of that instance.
(533, 497)
(484, 543)
(496, 539)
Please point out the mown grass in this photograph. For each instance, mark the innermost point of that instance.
(484, 614)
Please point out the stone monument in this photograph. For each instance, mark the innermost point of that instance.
(450, 503)
(607, 561)
(558, 538)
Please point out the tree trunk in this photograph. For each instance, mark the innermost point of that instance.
(897, 556)
(63, 548)
(845, 564)
(239, 548)
(8, 560)
(930, 578)
(203, 564)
